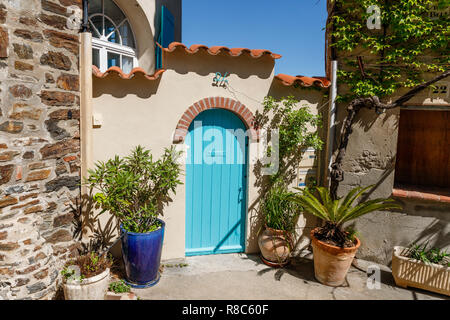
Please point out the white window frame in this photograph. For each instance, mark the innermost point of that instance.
(104, 46)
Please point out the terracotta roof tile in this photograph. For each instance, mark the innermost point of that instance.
(234, 52)
(116, 70)
(288, 80)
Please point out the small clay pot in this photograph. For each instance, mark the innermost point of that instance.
(331, 263)
(274, 246)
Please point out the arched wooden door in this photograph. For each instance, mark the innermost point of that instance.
(216, 184)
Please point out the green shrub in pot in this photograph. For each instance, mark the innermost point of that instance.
(136, 188)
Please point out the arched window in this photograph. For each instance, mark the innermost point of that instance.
(113, 41)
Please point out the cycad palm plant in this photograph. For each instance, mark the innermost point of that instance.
(337, 212)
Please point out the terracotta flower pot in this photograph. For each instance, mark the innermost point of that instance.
(274, 246)
(331, 263)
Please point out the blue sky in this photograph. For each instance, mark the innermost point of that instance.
(292, 28)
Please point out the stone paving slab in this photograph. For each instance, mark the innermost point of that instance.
(244, 277)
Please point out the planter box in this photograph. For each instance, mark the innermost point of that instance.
(414, 273)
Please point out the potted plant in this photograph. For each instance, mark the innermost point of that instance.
(135, 189)
(119, 290)
(86, 277)
(280, 218)
(422, 268)
(333, 247)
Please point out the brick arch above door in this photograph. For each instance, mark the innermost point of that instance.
(234, 106)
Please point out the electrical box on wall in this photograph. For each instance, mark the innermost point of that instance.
(306, 178)
(309, 159)
(97, 120)
(307, 171)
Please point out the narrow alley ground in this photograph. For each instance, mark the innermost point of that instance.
(244, 277)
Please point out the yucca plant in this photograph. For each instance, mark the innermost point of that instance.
(337, 212)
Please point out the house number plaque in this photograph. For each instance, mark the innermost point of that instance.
(219, 80)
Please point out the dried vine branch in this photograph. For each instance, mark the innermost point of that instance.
(337, 172)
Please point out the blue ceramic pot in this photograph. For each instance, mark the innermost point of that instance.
(141, 254)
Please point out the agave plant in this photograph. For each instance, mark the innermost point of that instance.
(337, 212)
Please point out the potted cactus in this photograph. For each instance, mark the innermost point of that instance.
(333, 247)
(135, 189)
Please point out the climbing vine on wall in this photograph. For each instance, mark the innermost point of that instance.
(297, 130)
(407, 46)
(409, 43)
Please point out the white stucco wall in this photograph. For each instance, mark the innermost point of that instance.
(139, 111)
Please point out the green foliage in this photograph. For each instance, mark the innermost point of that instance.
(352, 234)
(69, 274)
(92, 264)
(136, 188)
(119, 287)
(339, 211)
(432, 255)
(279, 211)
(86, 266)
(297, 130)
(94, 258)
(410, 44)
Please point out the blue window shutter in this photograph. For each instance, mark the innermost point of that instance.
(166, 34)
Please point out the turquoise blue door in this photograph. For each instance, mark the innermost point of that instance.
(216, 186)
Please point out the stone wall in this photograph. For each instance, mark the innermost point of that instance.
(370, 160)
(39, 143)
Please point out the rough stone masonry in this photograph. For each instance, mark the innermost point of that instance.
(39, 144)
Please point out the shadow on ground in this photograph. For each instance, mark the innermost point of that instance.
(242, 276)
(303, 268)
